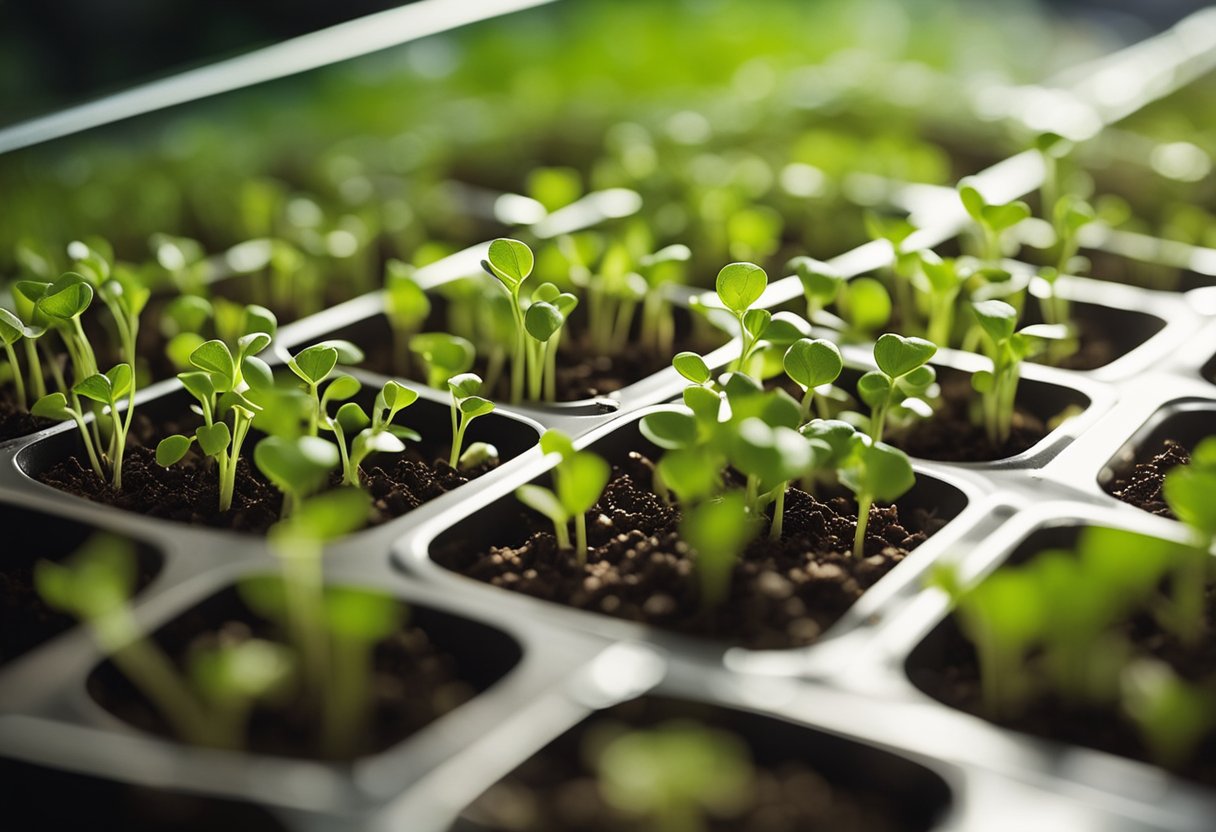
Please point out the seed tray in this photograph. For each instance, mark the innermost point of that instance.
(847, 699)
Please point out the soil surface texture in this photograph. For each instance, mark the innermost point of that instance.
(950, 673)
(556, 790)
(1141, 487)
(413, 683)
(783, 593)
(189, 491)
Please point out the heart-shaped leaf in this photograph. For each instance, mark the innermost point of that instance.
(314, 364)
(897, 355)
(739, 285)
(214, 439)
(811, 363)
(510, 261)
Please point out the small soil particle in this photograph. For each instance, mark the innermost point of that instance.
(1141, 486)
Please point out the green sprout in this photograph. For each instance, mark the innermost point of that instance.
(57, 407)
(95, 585)
(821, 284)
(811, 364)
(1068, 217)
(739, 286)
(182, 322)
(313, 365)
(903, 379)
(220, 384)
(360, 435)
(873, 471)
(299, 467)
(866, 304)
(511, 261)
(578, 481)
(406, 306)
(1174, 716)
(466, 406)
(942, 279)
(677, 775)
(1006, 349)
(991, 220)
(545, 319)
(108, 390)
(12, 331)
(443, 356)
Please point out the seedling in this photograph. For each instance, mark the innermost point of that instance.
(407, 308)
(739, 286)
(544, 320)
(1174, 716)
(466, 406)
(371, 434)
(443, 356)
(56, 407)
(821, 284)
(991, 220)
(95, 585)
(677, 775)
(219, 385)
(903, 378)
(511, 261)
(108, 390)
(811, 364)
(12, 331)
(298, 467)
(314, 365)
(874, 471)
(578, 481)
(942, 280)
(1006, 348)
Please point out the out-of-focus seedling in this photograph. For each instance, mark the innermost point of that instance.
(466, 406)
(677, 776)
(873, 471)
(578, 481)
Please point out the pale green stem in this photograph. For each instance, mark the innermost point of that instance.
(37, 381)
(864, 501)
(18, 379)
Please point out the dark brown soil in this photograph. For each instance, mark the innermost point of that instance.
(1141, 487)
(950, 435)
(189, 491)
(783, 594)
(556, 789)
(413, 683)
(14, 421)
(952, 676)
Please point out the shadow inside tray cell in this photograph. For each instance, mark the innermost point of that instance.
(433, 663)
(44, 798)
(582, 372)
(400, 482)
(800, 778)
(1107, 333)
(763, 622)
(1136, 472)
(26, 621)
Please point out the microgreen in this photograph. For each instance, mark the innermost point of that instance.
(676, 775)
(1006, 348)
(718, 530)
(874, 471)
(739, 286)
(359, 435)
(991, 220)
(443, 356)
(811, 364)
(578, 480)
(406, 306)
(511, 262)
(221, 384)
(298, 467)
(903, 377)
(466, 406)
(821, 284)
(95, 585)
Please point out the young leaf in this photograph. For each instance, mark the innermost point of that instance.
(542, 320)
(739, 285)
(997, 318)
(171, 449)
(670, 429)
(692, 367)
(580, 481)
(214, 357)
(213, 439)
(811, 363)
(897, 355)
(314, 364)
(510, 261)
(544, 501)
